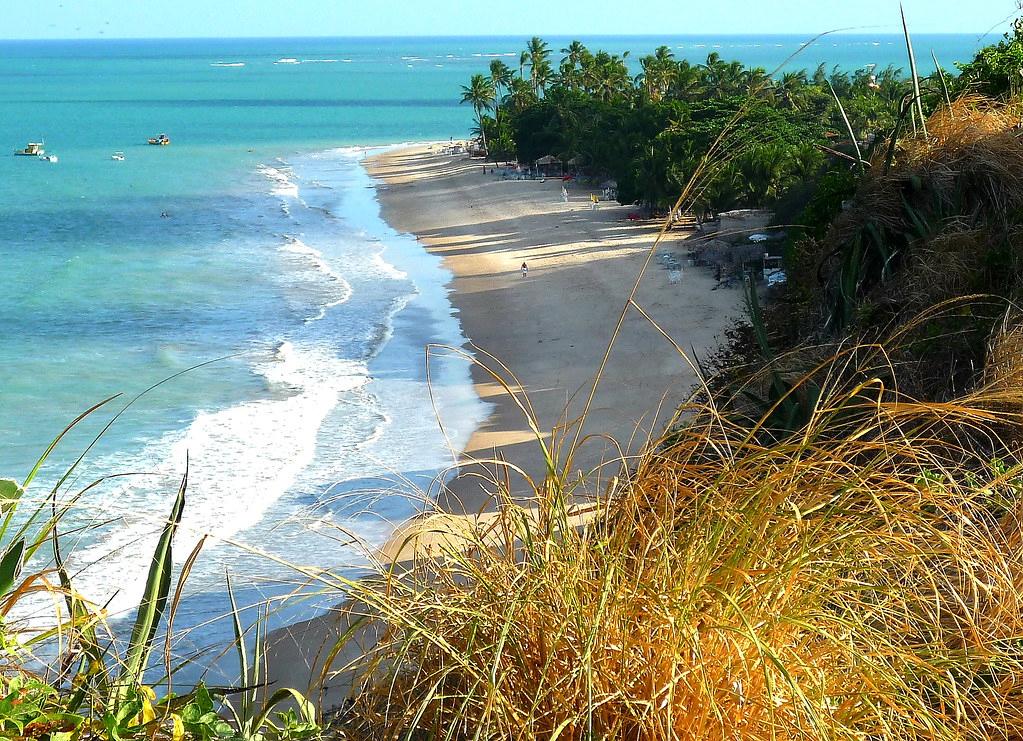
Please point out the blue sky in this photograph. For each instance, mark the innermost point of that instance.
(230, 18)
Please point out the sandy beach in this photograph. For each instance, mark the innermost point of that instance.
(550, 329)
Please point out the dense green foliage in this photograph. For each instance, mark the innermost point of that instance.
(995, 70)
(651, 131)
(921, 249)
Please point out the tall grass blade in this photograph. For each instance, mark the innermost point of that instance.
(240, 648)
(913, 72)
(848, 127)
(941, 77)
(154, 600)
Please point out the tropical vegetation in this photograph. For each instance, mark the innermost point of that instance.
(825, 545)
(649, 131)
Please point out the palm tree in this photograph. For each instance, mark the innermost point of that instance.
(606, 76)
(480, 94)
(762, 169)
(500, 78)
(658, 70)
(758, 83)
(520, 94)
(687, 82)
(792, 89)
(538, 53)
(574, 53)
(722, 78)
(571, 65)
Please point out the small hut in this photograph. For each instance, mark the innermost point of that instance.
(576, 163)
(546, 166)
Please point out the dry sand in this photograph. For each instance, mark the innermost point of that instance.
(550, 329)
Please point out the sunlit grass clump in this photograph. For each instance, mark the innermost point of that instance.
(859, 580)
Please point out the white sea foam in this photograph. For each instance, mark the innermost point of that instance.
(287, 60)
(387, 268)
(341, 289)
(227, 64)
(280, 176)
(241, 460)
(320, 61)
(496, 54)
(327, 413)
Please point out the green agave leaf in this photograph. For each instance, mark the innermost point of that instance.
(10, 566)
(154, 600)
(10, 495)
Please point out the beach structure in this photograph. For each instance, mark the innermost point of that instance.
(547, 165)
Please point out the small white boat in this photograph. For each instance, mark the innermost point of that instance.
(287, 60)
(117, 156)
(34, 149)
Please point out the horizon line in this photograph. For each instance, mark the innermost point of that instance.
(730, 34)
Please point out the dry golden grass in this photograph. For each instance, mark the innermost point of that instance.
(860, 580)
(857, 579)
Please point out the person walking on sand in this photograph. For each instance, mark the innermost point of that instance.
(524, 269)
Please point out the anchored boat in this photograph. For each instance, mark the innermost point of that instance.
(160, 141)
(34, 149)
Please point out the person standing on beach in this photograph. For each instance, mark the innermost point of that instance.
(525, 270)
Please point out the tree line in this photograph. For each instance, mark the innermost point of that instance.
(651, 131)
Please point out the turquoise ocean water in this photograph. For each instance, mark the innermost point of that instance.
(272, 257)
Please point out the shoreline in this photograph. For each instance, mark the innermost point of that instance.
(551, 328)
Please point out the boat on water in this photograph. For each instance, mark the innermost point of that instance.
(287, 60)
(159, 141)
(34, 149)
(117, 156)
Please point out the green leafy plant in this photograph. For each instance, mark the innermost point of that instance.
(30, 708)
(254, 713)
